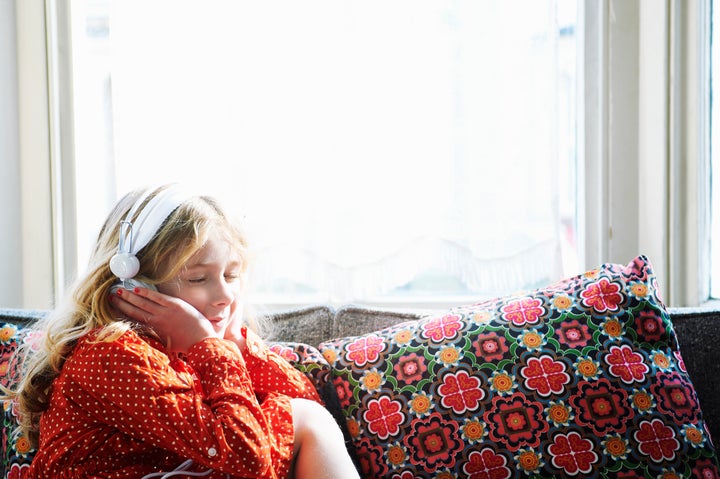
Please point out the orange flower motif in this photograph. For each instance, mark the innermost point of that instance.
(693, 435)
(613, 328)
(22, 445)
(558, 413)
(403, 337)
(562, 302)
(473, 430)
(642, 401)
(528, 461)
(7, 333)
(420, 404)
(330, 355)
(616, 447)
(396, 455)
(353, 427)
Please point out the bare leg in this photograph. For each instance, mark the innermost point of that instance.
(320, 451)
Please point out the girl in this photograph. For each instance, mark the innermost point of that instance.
(151, 372)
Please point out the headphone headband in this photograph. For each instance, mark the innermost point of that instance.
(135, 235)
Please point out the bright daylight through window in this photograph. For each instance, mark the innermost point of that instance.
(428, 151)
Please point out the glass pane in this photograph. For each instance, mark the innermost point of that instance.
(429, 150)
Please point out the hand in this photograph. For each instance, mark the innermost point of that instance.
(176, 322)
(236, 330)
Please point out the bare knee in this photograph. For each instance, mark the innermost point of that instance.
(310, 420)
(320, 450)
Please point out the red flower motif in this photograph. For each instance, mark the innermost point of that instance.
(442, 328)
(384, 417)
(523, 311)
(410, 368)
(490, 346)
(370, 458)
(460, 392)
(574, 334)
(650, 326)
(433, 442)
(486, 464)
(545, 375)
(515, 421)
(18, 471)
(344, 393)
(602, 296)
(626, 364)
(601, 407)
(365, 350)
(656, 440)
(705, 469)
(572, 453)
(675, 397)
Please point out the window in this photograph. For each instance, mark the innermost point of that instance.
(428, 150)
(377, 151)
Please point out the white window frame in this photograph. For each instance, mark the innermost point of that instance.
(645, 150)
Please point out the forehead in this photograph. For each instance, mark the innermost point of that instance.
(218, 249)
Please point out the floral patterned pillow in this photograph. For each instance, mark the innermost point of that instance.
(16, 450)
(582, 378)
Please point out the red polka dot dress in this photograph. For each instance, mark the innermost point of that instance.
(125, 408)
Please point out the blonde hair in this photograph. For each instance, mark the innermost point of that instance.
(181, 235)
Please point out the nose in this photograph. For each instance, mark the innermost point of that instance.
(224, 293)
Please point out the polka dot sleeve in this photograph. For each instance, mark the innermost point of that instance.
(269, 372)
(204, 409)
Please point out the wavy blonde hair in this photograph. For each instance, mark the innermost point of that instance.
(181, 235)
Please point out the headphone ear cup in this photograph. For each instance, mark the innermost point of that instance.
(124, 265)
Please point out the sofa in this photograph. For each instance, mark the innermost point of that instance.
(591, 376)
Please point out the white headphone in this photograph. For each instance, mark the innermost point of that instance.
(135, 235)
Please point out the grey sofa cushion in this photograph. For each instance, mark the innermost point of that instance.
(698, 332)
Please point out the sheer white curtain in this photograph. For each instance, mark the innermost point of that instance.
(366, 144)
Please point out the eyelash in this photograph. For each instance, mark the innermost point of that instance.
(228, 277)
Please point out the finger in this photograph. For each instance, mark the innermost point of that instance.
(132, 306)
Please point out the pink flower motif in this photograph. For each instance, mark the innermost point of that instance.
(705, 469)
(545, 375)
(365, 350)
(572, 453)
(656, 440)
(486, 464)
(649, 326)
(626, 364)
(410, 368)
(384, 417)
(574, 334)
(442, 328)
(523, 311)
(286, 352)
(602, 296)
(460, 392)
(490, 346)
(680, 361)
